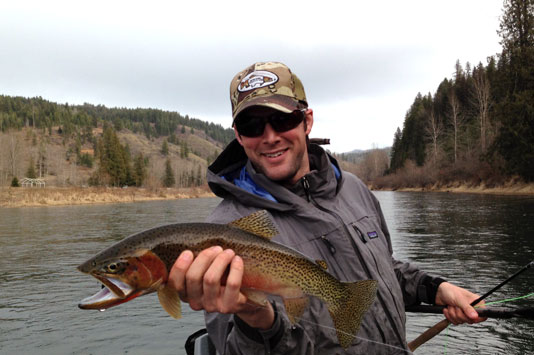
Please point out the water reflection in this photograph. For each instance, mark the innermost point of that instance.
(475, 241)
(41, 288)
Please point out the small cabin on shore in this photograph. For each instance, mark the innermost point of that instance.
(27, 182)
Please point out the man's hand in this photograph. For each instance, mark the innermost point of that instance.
(458, 300)
(204, 283)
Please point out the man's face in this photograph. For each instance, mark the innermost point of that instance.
(281, 156)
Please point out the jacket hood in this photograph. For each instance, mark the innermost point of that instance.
(324, 179)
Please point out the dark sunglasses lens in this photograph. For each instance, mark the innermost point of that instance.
(250, 126)
(286, 122)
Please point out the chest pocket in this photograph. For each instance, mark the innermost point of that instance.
(369, 233)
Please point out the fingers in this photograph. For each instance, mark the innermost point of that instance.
(464, 314)
(455, 315)
(211, 281)
(177, 274)
(195, 277)
(232, 298)
(212, 287)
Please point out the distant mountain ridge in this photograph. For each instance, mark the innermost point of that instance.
(17, 112)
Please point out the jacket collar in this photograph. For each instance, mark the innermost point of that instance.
(322, 179)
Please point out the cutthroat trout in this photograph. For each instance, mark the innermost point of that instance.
(140, 264)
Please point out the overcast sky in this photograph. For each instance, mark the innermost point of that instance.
(361, 62)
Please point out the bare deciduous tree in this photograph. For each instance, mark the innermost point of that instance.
(481, 90)
(14, 148)
(433, 131)
(456, 120)
(41, 159)
(373, 165)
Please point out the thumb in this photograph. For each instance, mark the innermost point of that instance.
(470, 311)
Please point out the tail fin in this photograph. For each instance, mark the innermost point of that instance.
(349, 306)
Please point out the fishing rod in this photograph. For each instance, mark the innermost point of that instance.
(493, 312)
(438, 327)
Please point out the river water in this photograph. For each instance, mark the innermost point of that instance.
(475, 241)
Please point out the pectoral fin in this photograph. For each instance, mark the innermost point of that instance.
(170, 301)
(256, 297)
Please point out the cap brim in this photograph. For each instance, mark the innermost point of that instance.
(281, 103)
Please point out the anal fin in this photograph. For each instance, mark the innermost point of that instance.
(295, 307)
(170, 301)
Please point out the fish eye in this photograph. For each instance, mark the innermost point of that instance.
(115, 267)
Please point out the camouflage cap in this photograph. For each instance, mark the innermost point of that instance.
(269, 84)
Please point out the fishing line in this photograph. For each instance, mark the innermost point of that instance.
(355, 336)
(508, 300)
(300, 319)
(480, 306)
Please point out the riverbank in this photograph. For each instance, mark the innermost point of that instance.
(509, 188)
(57, 196)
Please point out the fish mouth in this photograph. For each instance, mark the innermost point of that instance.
(113, 293)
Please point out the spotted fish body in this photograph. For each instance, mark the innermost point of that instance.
(140, 264)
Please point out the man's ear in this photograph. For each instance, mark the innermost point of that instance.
(237, 136)
(308, 121)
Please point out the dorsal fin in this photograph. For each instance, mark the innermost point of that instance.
(258, 223)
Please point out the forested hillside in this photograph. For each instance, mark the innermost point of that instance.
(86, 144)
(478, 126)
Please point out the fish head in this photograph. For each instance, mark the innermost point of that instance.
(124, 277)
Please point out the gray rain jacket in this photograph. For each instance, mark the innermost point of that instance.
(325, 218)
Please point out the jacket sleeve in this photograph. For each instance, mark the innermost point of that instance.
(231, 336)
(417, 286)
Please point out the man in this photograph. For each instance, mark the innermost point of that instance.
(319, 210)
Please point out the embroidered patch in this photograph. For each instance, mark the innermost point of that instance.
(257, 79)
(372, 235)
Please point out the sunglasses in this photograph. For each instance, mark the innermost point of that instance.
(253, 126)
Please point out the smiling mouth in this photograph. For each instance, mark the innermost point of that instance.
(275, 154)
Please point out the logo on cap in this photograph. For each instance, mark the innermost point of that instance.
(257, 79)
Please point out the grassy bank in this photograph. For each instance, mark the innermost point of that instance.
(509, 188)
(55, 196)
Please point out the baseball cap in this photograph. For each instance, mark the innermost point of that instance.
(269, 84)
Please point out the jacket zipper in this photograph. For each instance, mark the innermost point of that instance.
(306, 186)
(362, 237)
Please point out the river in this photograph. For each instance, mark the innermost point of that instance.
(476, 241)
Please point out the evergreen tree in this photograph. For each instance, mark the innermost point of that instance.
(165, 148)
(115, 161)
(396, 154)
(15, 182)
(412, 145)
(30, 173)
(184, 150)
(139, 170)
(515, 109)
(168, 179)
